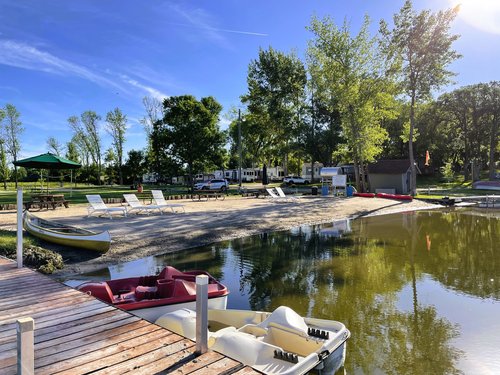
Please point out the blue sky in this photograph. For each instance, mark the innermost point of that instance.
(59, 58)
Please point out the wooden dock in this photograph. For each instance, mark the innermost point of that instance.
(78, 334)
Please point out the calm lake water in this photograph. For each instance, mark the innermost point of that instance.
(419, 291)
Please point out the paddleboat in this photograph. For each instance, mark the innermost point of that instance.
(149, 297)
(281, 342)
(66, 235)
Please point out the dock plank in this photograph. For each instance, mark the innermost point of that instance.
(77, 334)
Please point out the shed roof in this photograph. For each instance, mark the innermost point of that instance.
(389, 167)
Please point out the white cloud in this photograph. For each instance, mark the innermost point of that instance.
(150, 90)
(24, 56)
(200, 19)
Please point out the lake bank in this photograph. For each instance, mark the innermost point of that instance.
(204, 222)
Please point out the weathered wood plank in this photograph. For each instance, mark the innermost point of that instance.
(153, 361)
(194, 364)
(92, 358)
(224, 365)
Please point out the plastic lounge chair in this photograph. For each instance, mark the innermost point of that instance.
(282, 194)
(97, 205)
(160, 201)
(274, 196)
(137, 207)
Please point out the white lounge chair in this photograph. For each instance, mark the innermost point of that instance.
(137, 207)
(282, 194)
(160, 201)
(274, 197)
(97, 205)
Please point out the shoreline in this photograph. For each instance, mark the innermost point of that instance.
(203, 223)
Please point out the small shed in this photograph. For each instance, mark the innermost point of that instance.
(390, 176)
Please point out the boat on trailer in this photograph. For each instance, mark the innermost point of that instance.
(66, 235)
(281, 342)
(149, 297)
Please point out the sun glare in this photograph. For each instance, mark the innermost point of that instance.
(481, 14)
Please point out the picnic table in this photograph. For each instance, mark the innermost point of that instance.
(46, 201)
(207, 194)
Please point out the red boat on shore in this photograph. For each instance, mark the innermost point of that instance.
(364, 195)
(149, 297)
(395, 196)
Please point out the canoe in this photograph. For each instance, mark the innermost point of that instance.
(66, 235)
(364, 195)
(395, 196)
(281, 342)
(149, 297)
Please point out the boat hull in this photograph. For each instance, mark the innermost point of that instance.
(151, 296)
(280, 342)
(72, 236)
(151, 314)
(400, 197)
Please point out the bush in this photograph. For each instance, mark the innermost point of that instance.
(43, 260)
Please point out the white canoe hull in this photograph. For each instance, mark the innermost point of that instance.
(66, 235)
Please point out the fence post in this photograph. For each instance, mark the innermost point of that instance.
(25, 346)
(19, 248)
(201, 314)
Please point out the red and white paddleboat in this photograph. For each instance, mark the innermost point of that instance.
(149, 297)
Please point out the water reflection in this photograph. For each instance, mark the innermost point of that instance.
(385, 277)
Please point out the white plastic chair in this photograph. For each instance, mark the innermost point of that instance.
(137, 207)
(274, 197)
(97, 205)
(282, 194)
(160, 201)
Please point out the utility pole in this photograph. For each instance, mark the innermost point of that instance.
(239, 145)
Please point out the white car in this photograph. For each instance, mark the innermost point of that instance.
(290, 180)
(215, 184)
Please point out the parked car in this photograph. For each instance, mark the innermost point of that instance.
(215, 184)
(290, 180)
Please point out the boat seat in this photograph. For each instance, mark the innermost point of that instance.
(145, 292)
(147, 280)
(165, 288)
(183, 288)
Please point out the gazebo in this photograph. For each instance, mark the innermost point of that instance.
(48, 161)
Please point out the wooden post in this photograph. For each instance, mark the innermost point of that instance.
(19, 249)
(201, 314)
(25, 346)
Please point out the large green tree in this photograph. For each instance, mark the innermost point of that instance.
(419, 47)
(87, 136)
(12, 130)
(348, 77)
(189, 132)
(116, 127)
(275, 97)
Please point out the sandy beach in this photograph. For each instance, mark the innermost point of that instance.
(204, 222)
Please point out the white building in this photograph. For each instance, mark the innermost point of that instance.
(307, 171)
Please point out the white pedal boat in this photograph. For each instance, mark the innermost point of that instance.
(281, 342)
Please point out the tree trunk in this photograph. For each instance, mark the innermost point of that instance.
(413, 178)
(493, 147)
(15, 174)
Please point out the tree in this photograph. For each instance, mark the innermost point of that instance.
(153, 108)
(134, 167)
(4, 166)
(276, 93)
(419, 50)
(116, 127)
(110, 160)
(12, 130)
(348, 77)
(54, 146)
(189, 132)
(86, 134)
(72, 154)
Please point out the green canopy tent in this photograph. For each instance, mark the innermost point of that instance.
(48, 161)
